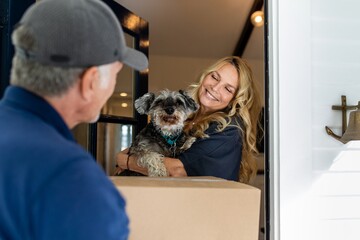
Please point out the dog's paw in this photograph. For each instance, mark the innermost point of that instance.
(154, 164)
(188, 143)
(158, 171)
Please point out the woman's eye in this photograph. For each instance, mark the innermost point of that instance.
(214, 77)
(228, 89)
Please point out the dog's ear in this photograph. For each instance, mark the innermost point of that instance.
(143, 104)
(189, 101)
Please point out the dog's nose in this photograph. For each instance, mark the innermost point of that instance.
(169, 110)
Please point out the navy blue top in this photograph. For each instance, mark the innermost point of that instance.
(219, 155)
(50, 188)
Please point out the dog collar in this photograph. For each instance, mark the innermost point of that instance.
(171, 141)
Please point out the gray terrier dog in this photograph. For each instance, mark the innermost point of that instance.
(163, 136)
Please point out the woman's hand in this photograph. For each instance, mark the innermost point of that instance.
(125, 161)
(120, 161)
(174, 167)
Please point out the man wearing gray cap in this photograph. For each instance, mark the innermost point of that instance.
(67, 56)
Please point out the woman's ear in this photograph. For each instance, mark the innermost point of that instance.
(88, 82)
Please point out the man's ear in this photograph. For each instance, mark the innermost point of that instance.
(88, 83)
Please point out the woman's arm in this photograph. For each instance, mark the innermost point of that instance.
(219, 155)
(174, 166)
(125, 161)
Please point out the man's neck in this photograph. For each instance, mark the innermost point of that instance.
(66, 106)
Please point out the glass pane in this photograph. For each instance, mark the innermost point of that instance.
(121, 102)
(112, 138)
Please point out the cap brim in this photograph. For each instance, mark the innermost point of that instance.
(135, 59)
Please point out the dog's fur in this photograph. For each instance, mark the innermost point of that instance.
(163, 136)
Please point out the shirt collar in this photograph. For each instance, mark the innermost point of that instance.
(28, 101)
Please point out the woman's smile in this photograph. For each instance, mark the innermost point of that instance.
(210, 95)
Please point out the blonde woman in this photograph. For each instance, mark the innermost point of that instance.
(225, 124)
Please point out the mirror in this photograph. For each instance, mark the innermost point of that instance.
(121, 102)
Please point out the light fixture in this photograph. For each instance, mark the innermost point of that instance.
(123, 94)
(124, 105)
(257, 18)
(352, 132)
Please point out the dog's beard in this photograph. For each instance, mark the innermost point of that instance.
(169, 120)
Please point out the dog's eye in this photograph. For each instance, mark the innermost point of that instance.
(179, 102)
(157, 102)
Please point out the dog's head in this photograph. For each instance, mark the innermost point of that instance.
(168, 110)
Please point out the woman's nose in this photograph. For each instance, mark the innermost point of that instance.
(215, 86)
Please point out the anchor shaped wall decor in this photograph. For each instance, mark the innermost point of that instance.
(352, 132)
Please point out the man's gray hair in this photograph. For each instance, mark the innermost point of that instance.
(38, 78)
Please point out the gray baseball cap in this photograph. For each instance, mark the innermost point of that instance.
(77, 33)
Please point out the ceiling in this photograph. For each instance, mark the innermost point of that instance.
(196, 28)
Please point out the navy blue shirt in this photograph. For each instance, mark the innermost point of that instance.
(50, 188)
(219, 155)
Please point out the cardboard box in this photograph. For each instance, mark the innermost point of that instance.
(190, 208)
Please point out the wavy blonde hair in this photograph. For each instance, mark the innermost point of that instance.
(245, 104)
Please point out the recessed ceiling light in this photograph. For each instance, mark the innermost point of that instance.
(257, 18)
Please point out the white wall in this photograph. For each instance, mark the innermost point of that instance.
(254, 55)
(314, 59)
(257, 66)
